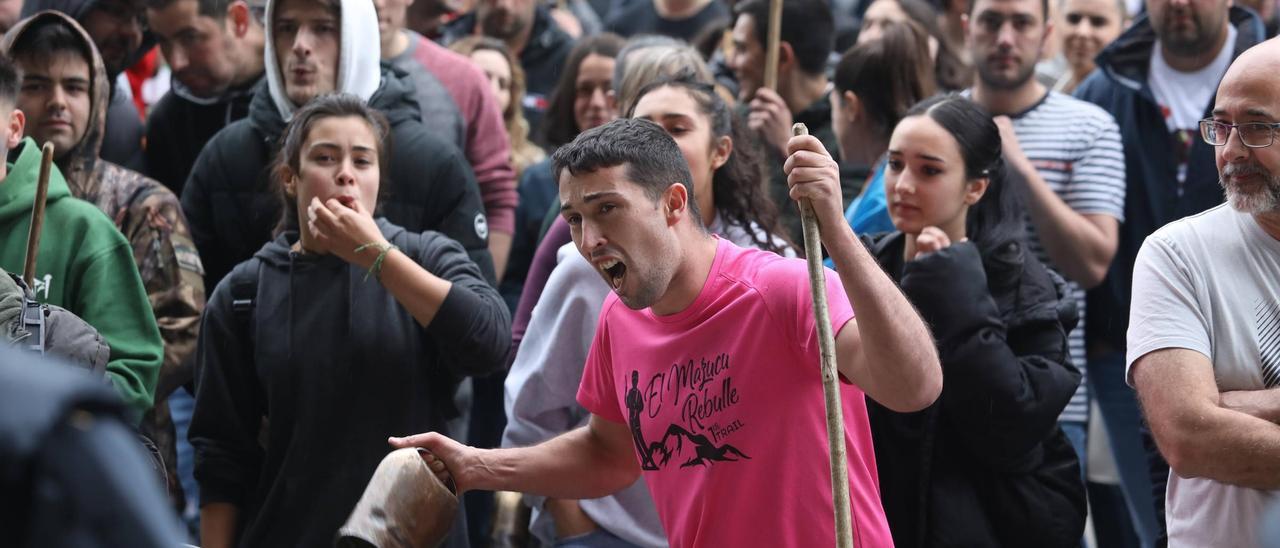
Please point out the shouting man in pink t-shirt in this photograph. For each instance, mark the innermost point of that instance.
(704, 372)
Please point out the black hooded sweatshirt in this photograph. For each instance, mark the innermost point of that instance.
(179, 126)
(233, 209)
(335, 365)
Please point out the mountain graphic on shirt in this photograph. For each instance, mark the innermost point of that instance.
(700, 451)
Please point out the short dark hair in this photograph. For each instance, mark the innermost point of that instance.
(652, 159)
(806, 24)
(10, 80)
(216, 9)
(1044, 11)
(888, 74)
(330, 105)
(49, 36)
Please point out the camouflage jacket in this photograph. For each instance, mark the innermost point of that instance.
(150, 217)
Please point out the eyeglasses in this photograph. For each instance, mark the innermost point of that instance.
(1252, 134)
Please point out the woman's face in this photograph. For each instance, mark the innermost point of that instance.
(495, 67)
(1088, 26)
(591, 104)
(924, 182)
(338, 161)
(879, 14)
(677, 112)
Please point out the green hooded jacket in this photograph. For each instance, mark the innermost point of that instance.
(86, 266)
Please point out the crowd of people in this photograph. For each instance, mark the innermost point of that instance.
(558, 246)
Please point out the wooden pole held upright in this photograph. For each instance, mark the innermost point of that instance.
(37, 216)
(830, 374)
(774, 37)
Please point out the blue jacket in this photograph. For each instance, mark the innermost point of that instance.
(1152, 198)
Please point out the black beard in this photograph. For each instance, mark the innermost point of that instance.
(1004, 84)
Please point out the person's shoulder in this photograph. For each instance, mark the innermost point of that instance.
(764, 271)
(1079, 110)
(456, 63)
(1095, 87)
(234, 137)
(90, 226)
(1210, 224)
(412, 142)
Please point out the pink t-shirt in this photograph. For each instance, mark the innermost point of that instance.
(724, 402)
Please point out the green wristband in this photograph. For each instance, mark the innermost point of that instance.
(376, 267)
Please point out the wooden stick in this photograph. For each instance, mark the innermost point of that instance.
(830, 375)
(771, 47)
(37, 216)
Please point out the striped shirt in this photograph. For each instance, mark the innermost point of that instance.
(1075, 146)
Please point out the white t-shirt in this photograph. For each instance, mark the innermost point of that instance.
(1185, 96)
(1211, 283)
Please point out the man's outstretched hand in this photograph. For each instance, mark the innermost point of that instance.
(450, 460)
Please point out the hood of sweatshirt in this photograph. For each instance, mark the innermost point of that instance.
(18, 189)
(359, 55)
(78, 163)
(395, 99)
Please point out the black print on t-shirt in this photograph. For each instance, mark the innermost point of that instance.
(1267, 315)
(691, 385)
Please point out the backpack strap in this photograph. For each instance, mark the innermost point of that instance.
(244, 291)
(33, 316)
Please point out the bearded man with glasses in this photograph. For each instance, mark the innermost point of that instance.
(1204, 329)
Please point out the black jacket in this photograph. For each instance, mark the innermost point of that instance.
(335, 365)
(232, 206)
(179, 127)
(1152, 197)
(985, 465)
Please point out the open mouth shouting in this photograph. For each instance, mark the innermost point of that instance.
(614, 272)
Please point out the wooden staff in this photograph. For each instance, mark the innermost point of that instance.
(37, 216)
(830, 375)
(771, 46)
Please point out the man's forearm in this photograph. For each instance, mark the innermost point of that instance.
(1263, 404)
(1078, 248)
(579, 464)
(1199, 435)
(901, 359)
(1229, 447)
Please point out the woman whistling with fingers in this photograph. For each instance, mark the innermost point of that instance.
(341, 331)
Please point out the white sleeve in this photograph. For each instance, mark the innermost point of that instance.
(1166, 311)
(542, 386)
